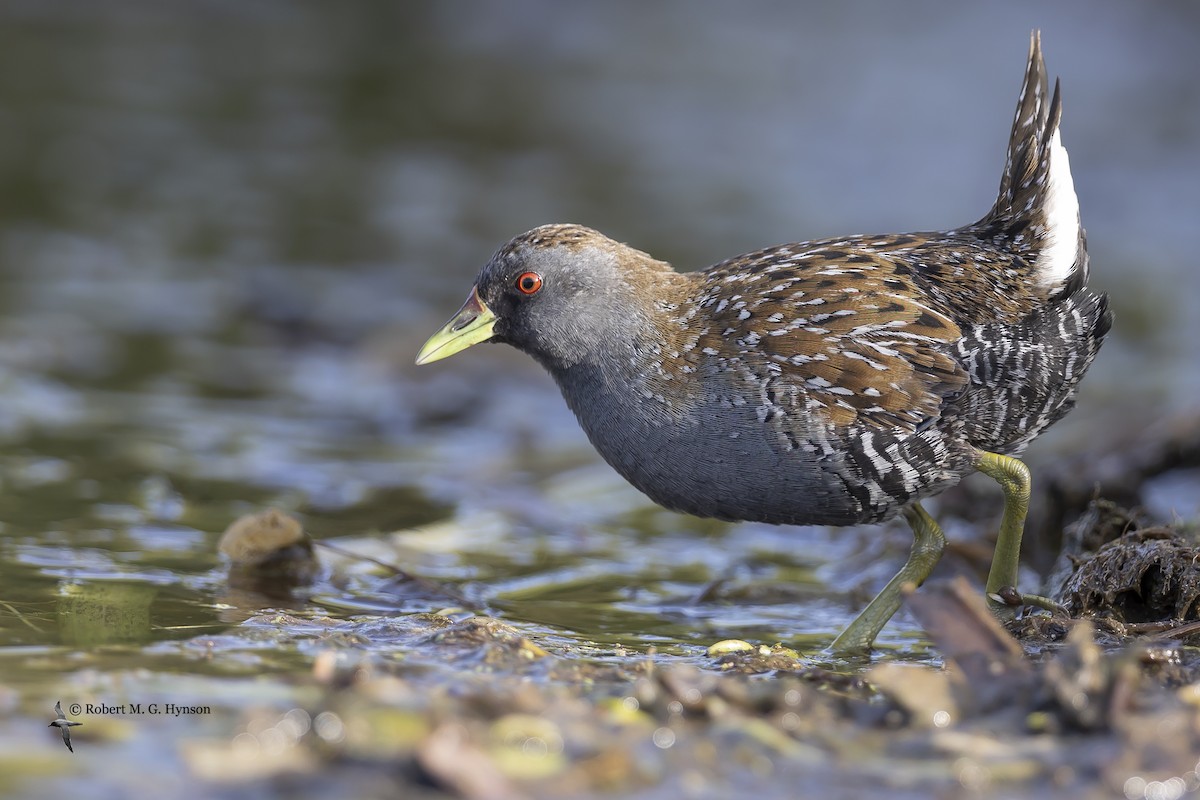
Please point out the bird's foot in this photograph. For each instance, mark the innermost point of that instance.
(1005, 602)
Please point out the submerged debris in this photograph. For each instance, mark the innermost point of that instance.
(493, 643)
(735, 655)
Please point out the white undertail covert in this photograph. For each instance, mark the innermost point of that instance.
(1059, 257)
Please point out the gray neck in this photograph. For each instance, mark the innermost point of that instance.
(598, 388)
(622, 418)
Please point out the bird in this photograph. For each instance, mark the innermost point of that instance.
(834, 382)
(64, 725)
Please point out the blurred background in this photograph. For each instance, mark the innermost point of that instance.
(227, 227)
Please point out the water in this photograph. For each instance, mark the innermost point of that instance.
(226, 228)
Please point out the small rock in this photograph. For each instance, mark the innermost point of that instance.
(268, 552)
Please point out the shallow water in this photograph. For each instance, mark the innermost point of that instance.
(225, 230)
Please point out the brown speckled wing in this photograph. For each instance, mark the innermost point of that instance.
(834, 329)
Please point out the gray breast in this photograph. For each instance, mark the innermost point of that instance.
(714, 458)
(717, 457)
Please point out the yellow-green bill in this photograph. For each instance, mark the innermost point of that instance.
(472, 324)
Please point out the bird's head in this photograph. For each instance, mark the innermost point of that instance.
(562, 293)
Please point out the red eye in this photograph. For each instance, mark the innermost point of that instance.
(529, 282)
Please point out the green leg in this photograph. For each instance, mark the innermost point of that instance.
(1013, 477)
(928, 542)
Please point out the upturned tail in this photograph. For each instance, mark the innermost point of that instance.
(1037, 211)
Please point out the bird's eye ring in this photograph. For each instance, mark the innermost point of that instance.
(529, 282)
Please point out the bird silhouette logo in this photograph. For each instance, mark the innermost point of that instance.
(64, 725)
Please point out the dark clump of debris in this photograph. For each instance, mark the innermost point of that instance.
(1144, 576)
